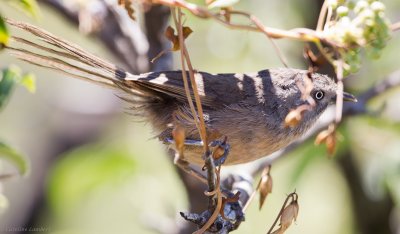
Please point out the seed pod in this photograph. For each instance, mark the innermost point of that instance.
(289, 214)
(265, 188)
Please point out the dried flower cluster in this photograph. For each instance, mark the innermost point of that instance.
(355, 26)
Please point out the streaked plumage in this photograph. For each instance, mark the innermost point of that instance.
(247, 108)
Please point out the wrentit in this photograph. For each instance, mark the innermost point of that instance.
(249, 109)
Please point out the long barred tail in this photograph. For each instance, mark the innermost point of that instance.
(147, 96)
(60, 55)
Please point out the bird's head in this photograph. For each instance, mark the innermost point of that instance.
(290, 84)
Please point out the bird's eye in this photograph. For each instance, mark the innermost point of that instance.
(319, 95)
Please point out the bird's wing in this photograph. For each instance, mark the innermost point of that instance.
(215, 90)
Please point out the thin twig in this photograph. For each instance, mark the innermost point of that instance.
(302, 34)
(251, 198)
(322, 16)
(213, 183)
(185, 58)
(328, 18)
(193, 172)
(202, 129)
(277, 50)
(184, 74)
(339, 90)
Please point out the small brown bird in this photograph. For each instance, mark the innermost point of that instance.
(248, 109)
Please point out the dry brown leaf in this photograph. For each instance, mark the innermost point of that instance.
(174, 38)
(127, 4)
(178, 133)
(331, 144)
(293, 118)
(327, 137)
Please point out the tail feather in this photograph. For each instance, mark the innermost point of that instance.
(57, 54)
(70, 48)
(59, 65)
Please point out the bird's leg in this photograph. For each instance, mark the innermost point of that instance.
(220, 149)
(187, 142)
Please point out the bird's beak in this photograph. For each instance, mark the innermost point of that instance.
(349, 97)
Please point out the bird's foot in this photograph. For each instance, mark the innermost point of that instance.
(220, 151)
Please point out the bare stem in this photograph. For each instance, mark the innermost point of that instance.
(184, 75)
(302, 34)
(322, 16)
(339, 91)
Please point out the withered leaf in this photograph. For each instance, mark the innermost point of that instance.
(293, 118)
(178, 133)
(174, 38)
(331, 144)
(127, 4)
(327, 137)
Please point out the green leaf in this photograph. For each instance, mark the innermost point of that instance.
(85, 171)
(29, 82)
(14, 157)
(29, 6)
(3, 32)
(7, 83)
(222, 3)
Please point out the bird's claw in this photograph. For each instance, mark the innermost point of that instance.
(220, 151)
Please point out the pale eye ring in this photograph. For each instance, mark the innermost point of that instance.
(319, 95)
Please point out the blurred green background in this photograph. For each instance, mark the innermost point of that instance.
(121, 180)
